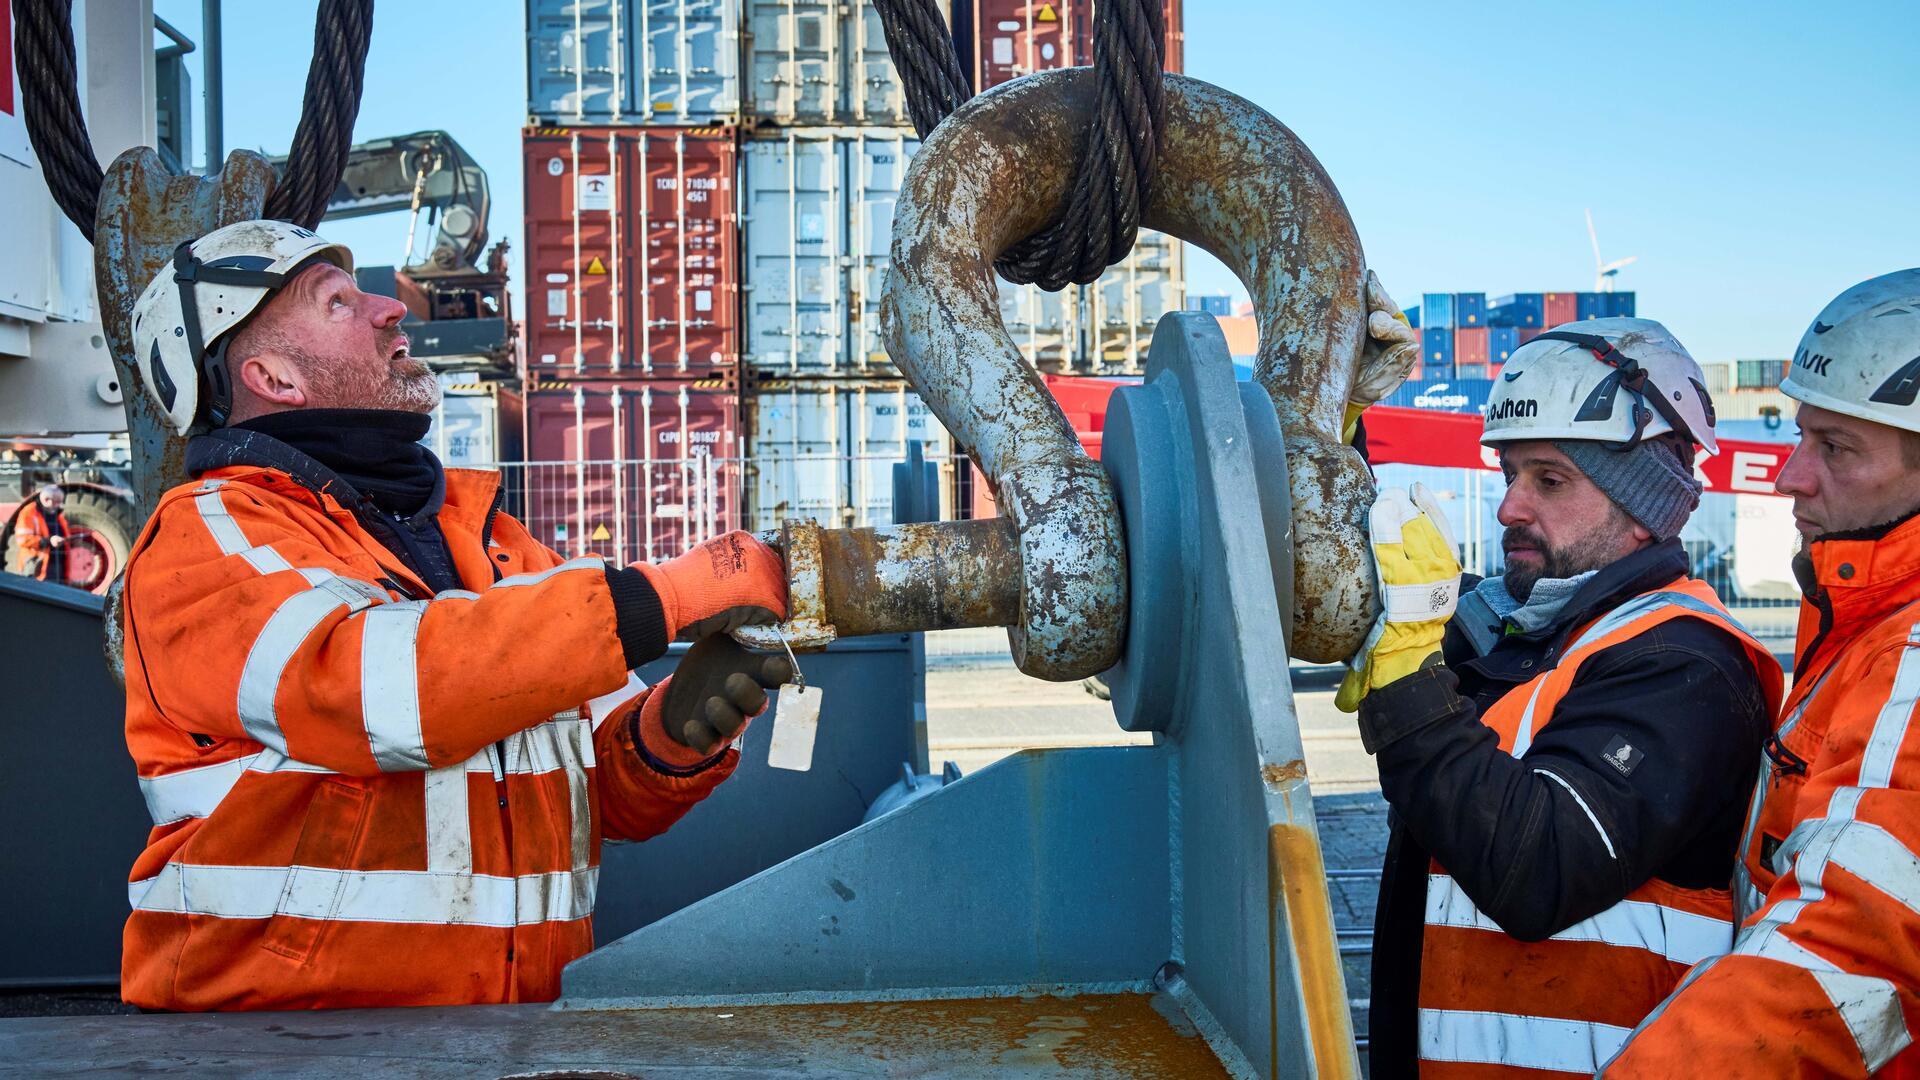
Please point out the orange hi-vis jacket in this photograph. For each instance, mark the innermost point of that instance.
(363, 796)
(1824, 976)
(33, 533)
(1494, 1005)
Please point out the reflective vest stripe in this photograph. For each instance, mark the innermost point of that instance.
(191, 793)
(449, 828)
(390, 685)
(1683, 937)
(585, 562)
(383, 896)
(286, 630)
(1528, 1042)
(1869, 1007)
(1890, 728)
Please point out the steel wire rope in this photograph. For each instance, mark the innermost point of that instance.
(1113, 181)
(57, 127)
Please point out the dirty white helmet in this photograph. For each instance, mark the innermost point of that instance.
(1615, 381)
(1861, 356)
(184, 320)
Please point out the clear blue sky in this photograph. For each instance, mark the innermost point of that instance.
(1758, 158)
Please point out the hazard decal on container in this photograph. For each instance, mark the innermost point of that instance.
(596, 266)
(600, 532)
(1046, 14)
(595, 191)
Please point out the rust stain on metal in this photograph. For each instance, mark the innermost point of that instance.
(1277, 776)
(1297, 896)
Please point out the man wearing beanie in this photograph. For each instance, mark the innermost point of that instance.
(1567, 750)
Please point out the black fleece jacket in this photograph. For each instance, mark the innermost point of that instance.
(1685, 695)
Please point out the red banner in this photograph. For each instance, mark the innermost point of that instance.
(1452, 440)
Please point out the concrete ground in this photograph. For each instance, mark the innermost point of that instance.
(980, 708)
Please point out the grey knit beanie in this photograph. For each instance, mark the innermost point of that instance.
(1653, 482)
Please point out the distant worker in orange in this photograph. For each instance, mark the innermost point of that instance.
(40, 529)
(1824, 977)
(357, 692)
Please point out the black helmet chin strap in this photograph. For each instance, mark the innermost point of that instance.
(1632, 378)
(188, 272)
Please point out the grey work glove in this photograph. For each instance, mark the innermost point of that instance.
(1391, 349)
(716, 689)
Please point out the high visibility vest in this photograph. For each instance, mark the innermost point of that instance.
(1490, 1003)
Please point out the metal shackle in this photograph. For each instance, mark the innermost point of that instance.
(1234, 181)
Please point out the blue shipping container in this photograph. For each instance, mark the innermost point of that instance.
(1501, 341)
(1591, 305)
(1436, 310)
(1469, 309)
(1413, 316)
(1445, 395)
(1217, 306)
(1525, 310)
(1620, 305)
(1436, 347)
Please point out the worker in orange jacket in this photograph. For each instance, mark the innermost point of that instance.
(358, 694)
(40, 530)
(1824, 976)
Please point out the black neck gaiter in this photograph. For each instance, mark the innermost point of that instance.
(377, 451)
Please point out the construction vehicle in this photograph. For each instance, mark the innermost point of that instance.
(1145, 910)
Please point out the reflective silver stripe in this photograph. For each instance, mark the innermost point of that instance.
(449, 826)
(1526, 1042)
(1890, 729)
(585, 562)
(272, 650)
(1523, 738)
(1585, 809)
(390, 685)
(191, 793)
(228, 534)
(535, 750)
(382, 896)
(1682, 937)
(1869, 1007)
(1747, 898)
(1876, 857)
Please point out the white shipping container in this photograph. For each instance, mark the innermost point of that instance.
(815, 62)
(466, 424)
(1104, 328)
(633, 61)
(825, 451)
(818, 228)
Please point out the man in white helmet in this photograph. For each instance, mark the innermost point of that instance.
(356, 690)
(1563, 754)
(1824, 979)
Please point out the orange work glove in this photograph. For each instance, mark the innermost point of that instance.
(709, 698)
(724, 584)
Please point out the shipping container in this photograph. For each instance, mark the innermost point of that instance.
(629, 470)
(816, 62)
(1012, 38)
(1104, 328)
(1558, 309)
(1523, 310)
(1219, 307)
(1469, 373)
(1501, 341)
(1470, 347)
(1447, 394)
(1436, 311)
(466, 424)
(1590, 305)
(1759, 374)
(1739, 404)
(818, 225)
(1530, 333)
(1413, 316)
(1469, 310)
(1437, 347)
(633, 61)
(1619, 305)
(632, 237)
(824, 450)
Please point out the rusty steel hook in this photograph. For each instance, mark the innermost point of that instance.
(1234, 181)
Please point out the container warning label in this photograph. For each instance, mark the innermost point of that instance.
(594, 191)
(600, 532)
(1047, 14)
(596, 266)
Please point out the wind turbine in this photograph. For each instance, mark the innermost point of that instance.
(1604, 272)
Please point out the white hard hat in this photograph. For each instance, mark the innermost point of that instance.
(1861, 356)
(1615, 381)
(184, 320)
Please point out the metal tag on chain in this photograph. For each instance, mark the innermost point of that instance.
(796, 720)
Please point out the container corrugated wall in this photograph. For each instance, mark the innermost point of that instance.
(821, 63)
(592, 62)
(1012, 38)
(824, 449)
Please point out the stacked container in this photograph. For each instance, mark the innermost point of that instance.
(630, 421)
(1466, 336)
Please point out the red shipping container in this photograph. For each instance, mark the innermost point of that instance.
(633, 252)
(1012, 38)
(631, 470)
(1560, 307)
(1470, 346)
(1529, 333)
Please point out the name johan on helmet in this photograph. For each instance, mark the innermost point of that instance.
(186, 316)
(1612, 381)
(1861, 356)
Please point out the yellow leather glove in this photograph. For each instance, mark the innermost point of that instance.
(1392, 348)
(1418, 579)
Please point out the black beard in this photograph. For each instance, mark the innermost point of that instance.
(1590, 553)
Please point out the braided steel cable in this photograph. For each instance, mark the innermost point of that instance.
(1100, 219)
(57, 127)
